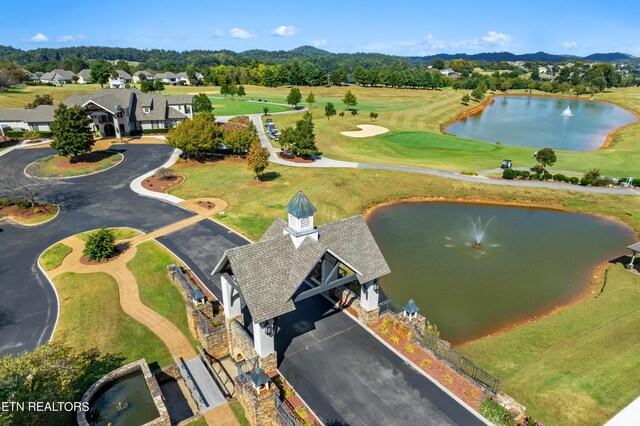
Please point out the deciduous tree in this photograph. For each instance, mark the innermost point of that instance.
(71, 129)
(196, 136)
(310, 99)
(546, 157)
(257, 159)
(329, 110)
(240, 91)
(294, 97)
(373, 115)
(40, 100)
(100, 72)
(349, 99)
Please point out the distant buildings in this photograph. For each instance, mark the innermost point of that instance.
(60, 76)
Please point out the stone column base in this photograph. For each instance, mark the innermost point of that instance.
(369, 317)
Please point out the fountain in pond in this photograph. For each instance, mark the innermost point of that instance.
(479, 230)
(567, 112)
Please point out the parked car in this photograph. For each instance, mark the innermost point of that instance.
(506, 164)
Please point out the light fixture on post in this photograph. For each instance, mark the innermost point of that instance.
(376, 285)
(269, 328)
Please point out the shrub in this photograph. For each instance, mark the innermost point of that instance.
(471, 393)
(152, 131)
(585, 182)
(409, 348)
(6, 202)
(387, 321)
(100, 245)
(384, 329)
(509, 174)
(24, 204)
(560, 178)
(530, 421)
(302, 413)
(636, 182)
(593, 174)
(545, 175)
(574, 180)
(14, 134)
(37, 210)
(496, 413)
(467, 173)
(525, 174)
(395, 339)
(425, 363)
(164, 173)
(432, 329)
(447, 378)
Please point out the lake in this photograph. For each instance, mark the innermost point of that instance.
(531, 261)
(538, 122)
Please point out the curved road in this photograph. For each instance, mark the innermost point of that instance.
(29, 306)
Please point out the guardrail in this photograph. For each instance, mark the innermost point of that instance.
(445, 353)
(206, 323)
(245, 368)
(213, 373)
(285, 412)
(190, 382)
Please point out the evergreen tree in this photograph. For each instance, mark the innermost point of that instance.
(305, 138)
(202, 103)
(310, 99)
(101, 245)
(71, 129)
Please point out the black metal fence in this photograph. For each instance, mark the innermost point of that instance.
(444, 352)
(208, 324)
(285, 412)
(245, 368)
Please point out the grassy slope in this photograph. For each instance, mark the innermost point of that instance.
(156, 289)
(236, 107)
(120, 234)
(91, 316)
(579, 366)
(54, 255)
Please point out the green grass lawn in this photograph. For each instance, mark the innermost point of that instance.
(120, 234)
(238, 411)
(91, 316)
(156, 289)
(237, 106)
(54, 255)
(56, 166)
(577, 367)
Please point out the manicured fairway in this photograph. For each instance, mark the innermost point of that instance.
(238, 107)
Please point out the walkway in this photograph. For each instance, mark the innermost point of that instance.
(328, 162)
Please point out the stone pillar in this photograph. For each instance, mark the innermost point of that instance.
(116, 125)
(262, 342)
(230, 298)
(259, 408)
(369, 295)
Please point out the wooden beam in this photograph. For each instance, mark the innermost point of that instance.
(324, 287)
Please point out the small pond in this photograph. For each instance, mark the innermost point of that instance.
(538, 122)
(131, 389)
(530, 262)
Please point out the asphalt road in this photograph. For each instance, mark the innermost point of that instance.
(201, 246)
(348, 377)
(28, 306)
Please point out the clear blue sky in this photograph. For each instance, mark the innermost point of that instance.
(400, 27)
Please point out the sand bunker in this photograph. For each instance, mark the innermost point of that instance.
(366, 130)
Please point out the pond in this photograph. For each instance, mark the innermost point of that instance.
(130, 389)
(530, 262)
(539, 122)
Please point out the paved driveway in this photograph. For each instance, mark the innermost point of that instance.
(348, 377)
(201, 246)
(28, 306)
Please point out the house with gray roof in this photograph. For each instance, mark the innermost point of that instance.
(125, 76)
(143, 75)
(58, 76)
(183, 79)
(167, 78)
(39, 118)
(121, 112)
(295, 260)
(84, 76)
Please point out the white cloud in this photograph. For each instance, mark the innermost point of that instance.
(284, 31)
(241, 33)
(39, 38)
(218, 33)
(318, 43)
(569, 44)
(496, 38)
(70, 38)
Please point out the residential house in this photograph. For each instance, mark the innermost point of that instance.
(84, 76)
(58, 76)
(124, 76)
(38, 118)
(121, 112)
(184, 79)
(138, 76)
(167, 78)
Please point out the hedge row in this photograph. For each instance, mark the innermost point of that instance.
(152, 131)
(559, 177)
(19, 134)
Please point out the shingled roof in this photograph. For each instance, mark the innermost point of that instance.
(270, 271)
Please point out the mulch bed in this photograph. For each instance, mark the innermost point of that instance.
(84, 159)
(295, 159)
(461, 386)
(294, 401)
(238, 124)
(28, 213)
(157, 184)
(206, 204)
